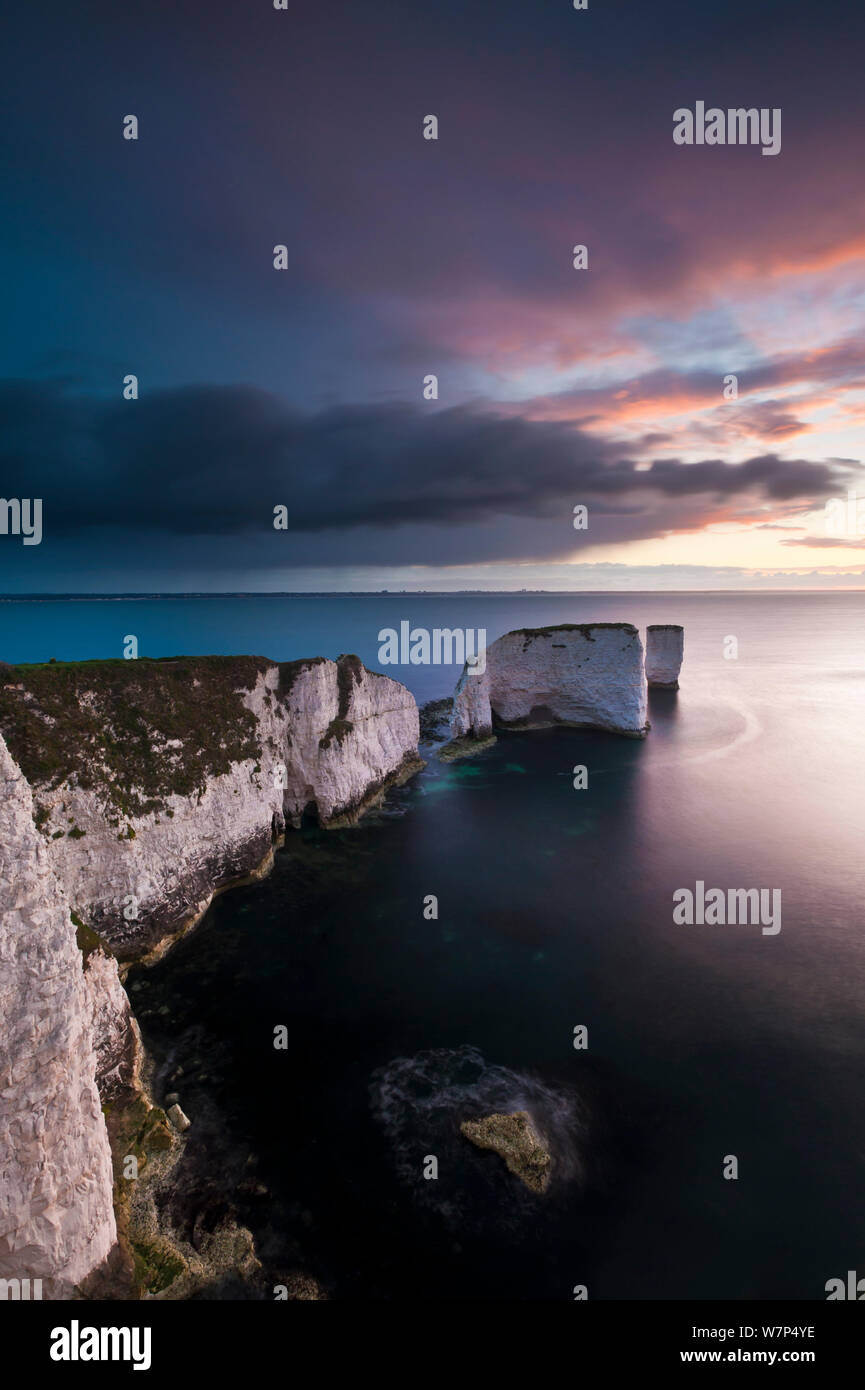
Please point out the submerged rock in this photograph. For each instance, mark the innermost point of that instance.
(435, 717)
(464, 748)
(302, 1288)
(515, 1139)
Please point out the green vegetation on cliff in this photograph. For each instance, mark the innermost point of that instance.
(87, 939)
(585, 628)
(139, 1130)
(135, 731)
(349, 670)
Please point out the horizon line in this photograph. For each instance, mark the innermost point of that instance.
(405, 593)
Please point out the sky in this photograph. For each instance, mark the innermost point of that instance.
(303, 388)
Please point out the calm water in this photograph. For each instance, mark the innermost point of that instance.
(555, 909)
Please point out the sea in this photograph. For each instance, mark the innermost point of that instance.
(496, 938)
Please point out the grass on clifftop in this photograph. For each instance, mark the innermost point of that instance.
(585, 628)
(108, 724)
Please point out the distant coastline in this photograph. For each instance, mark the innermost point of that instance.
(405, 593)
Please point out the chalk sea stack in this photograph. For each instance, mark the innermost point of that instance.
(515, 1139)
(665, 643)
(580, 675)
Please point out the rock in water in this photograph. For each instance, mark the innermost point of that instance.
(665, 644)
(583, 675)
(304, 1288)
(515, 1139)
(180, 1121)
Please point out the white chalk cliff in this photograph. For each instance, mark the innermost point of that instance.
(665, 645)
(140, 790)
(56, 1214)
(157, 809)
(589, 675)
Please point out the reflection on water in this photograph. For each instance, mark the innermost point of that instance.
(555, 910)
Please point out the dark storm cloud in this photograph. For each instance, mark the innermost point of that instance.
(304, 128)
(217, 460)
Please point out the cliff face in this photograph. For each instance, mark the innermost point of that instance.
(665, 644)
(351, 733)
(130, 793)
(586, 676)
(157, 783)
(113, 1029)
(56, 1216)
